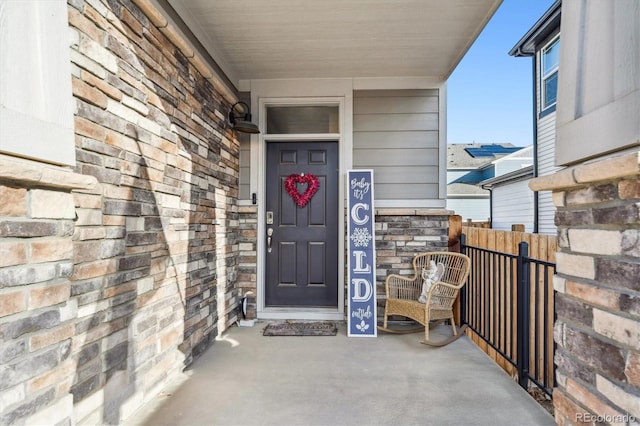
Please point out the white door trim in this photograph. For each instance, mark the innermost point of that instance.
(260, 163)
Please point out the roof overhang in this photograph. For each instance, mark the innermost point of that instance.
(466, 190)
(541, 30)
(514, 176)
(290, 39)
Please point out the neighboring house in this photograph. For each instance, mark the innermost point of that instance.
(511, 200)
(468, 165)
(542, 44)
(133, 214)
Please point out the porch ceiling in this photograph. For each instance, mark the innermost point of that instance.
(258, 39)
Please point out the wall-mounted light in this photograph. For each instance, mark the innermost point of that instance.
(242, 121)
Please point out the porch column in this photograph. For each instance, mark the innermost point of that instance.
(597, 330)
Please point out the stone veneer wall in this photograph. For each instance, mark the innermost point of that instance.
(400, 235)
(597, 330)
(37, 313)
(247, 256)
(108, 291)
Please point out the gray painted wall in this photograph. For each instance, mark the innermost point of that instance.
(395, 133)
(245, 157)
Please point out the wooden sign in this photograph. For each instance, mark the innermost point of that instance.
(362, 254)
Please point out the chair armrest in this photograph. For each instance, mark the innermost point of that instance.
(443, 294)
(445, 285)
(403, 287)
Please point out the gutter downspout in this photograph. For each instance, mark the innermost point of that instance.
(490, 189)
(535, 143)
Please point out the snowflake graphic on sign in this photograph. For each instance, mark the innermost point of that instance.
(361, 237)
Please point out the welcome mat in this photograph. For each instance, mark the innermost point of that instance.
(300, 329)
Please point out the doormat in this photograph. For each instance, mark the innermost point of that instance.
(300, 329)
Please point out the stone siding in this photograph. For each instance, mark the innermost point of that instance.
(400, 235)
(36, 249)
(247, 257)
(598, 291)
(156, 249)
(403, 233)
(108, 291)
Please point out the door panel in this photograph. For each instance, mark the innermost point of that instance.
(287, 262)
(317, 251)
(302, 266)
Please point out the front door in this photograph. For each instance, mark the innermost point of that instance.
(302, 249)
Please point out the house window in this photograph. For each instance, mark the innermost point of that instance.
(302, 119)
(549, 73)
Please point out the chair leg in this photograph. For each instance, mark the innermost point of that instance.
(461, 333)
(384, 321)
(453, 326)
(426, 328)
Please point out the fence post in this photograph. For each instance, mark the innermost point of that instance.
(524, 277)
(463, 293)
(455, 229)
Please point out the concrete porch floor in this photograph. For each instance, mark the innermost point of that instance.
(249, 379)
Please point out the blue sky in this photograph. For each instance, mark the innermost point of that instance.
(489, 95)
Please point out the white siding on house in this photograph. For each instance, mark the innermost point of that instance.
(395, 133)
(546, 143)
(512, 162)
(513, 204)
(546, 214)
(546, 166)
(511, 166)
(476, 209)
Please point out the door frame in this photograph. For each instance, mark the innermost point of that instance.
(263, 138)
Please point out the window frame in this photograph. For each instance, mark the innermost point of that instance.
(545, 76)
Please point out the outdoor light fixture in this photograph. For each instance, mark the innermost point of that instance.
(242, 122)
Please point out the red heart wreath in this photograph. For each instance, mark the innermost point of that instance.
(312, 186)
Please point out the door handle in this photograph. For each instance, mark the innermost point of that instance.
(269, 234)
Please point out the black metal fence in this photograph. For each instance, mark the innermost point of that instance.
(508, 302)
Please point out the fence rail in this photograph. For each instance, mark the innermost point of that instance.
(508, 301)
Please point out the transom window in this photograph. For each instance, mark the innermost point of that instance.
(302, 119)
(549, 73)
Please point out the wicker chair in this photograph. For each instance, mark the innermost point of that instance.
(403, 292)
